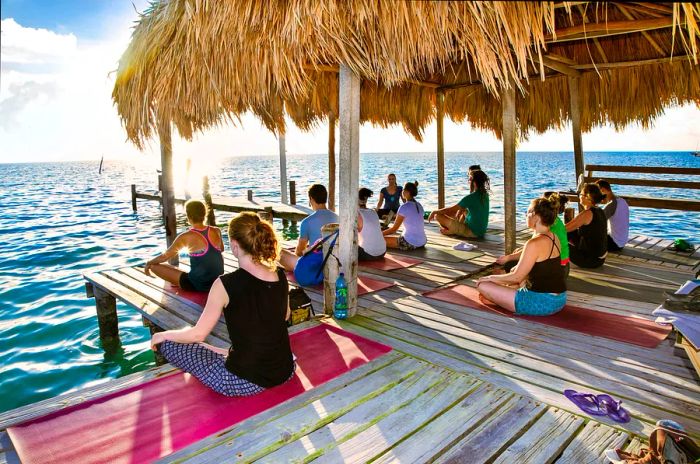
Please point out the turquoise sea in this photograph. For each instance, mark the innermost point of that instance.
(60, 220)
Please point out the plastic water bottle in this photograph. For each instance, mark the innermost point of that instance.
(340, 311)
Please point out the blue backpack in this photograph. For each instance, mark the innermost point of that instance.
(309, 268)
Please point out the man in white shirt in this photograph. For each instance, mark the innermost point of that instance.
(618, 214)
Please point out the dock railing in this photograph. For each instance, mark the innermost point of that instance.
(680, 204)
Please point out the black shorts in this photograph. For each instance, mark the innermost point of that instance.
(362, 255)
(185, 283)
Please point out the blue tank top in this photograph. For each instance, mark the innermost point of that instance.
(207, 266)
(392, 202)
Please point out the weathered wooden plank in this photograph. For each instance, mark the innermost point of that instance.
(519, 380)
(360, 417)
(545, 440)
(493, 324)
(287, 422)
(575, 362)
(496, 433)
(591, 443)
(392, 428)
(431, 440)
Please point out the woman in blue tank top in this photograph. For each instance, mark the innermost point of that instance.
(205, 246)
(390, 198)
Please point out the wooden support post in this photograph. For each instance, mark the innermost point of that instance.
(166, 160)
(160, 359)
(211, 218)
(250, 195)
(283, 167)
(509, 193)
(331, 162)
(292, 192)
(440, 103)
(107, 320)
(188, 168)
(349, 112)
(575, 109)
(330, 271)
(133, 197)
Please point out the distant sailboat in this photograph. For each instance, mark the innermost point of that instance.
(101, 161)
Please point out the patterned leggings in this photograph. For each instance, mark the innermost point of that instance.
(209, 367)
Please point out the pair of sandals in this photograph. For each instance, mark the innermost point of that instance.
(599, 405)
(683, 302)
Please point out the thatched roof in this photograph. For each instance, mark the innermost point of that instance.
(199, 64)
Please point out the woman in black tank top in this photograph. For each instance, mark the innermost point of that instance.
(588, 231)
(539, 267)
(254, 302)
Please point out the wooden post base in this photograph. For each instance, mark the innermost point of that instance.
(160, 359)
(106, 306)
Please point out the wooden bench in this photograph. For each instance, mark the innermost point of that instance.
(644, 201)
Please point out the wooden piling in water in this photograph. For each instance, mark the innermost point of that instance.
(292, 192)
(106, 306)
(250, 195)
(153, 329)
(133, 197)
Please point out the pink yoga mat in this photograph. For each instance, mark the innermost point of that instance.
(626, 329)
(154, 419)
(199, 298)
(364, 284)
(391, 262)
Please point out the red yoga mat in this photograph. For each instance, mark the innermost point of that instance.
(156, 418)
(199, 298)
(364, 284)
(626, 329)
(391, 262)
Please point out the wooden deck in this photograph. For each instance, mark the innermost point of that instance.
(460, 385)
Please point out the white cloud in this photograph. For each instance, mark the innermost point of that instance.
(29, 45)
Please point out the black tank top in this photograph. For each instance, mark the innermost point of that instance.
(594, 236)
(548, 276)
(255, 318)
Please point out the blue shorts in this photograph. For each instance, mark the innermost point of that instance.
(529, 303)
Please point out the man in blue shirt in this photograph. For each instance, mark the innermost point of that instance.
(310, 227)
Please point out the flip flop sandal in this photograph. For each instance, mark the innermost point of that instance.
(614, 409)
(586, 402)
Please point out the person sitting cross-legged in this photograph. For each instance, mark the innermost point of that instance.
(470, 217)
(204, 244)
(539, 267)
(254, 301)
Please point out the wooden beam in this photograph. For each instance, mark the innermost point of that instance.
(652, 202)
(645, 34)
(601, 52)
(331, 162)
(629, 64)
(283, 167)
(166, 161)
(575, 113)
(606, 29)
(349, 117)
(557, 66)
(440, 103)
(335, 69)
(509, 192)
(655, 7)
(647, 182)
(644, 169)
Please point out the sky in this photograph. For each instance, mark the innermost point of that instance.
(56, 78)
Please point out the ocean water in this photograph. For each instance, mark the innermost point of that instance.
(60, 220)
